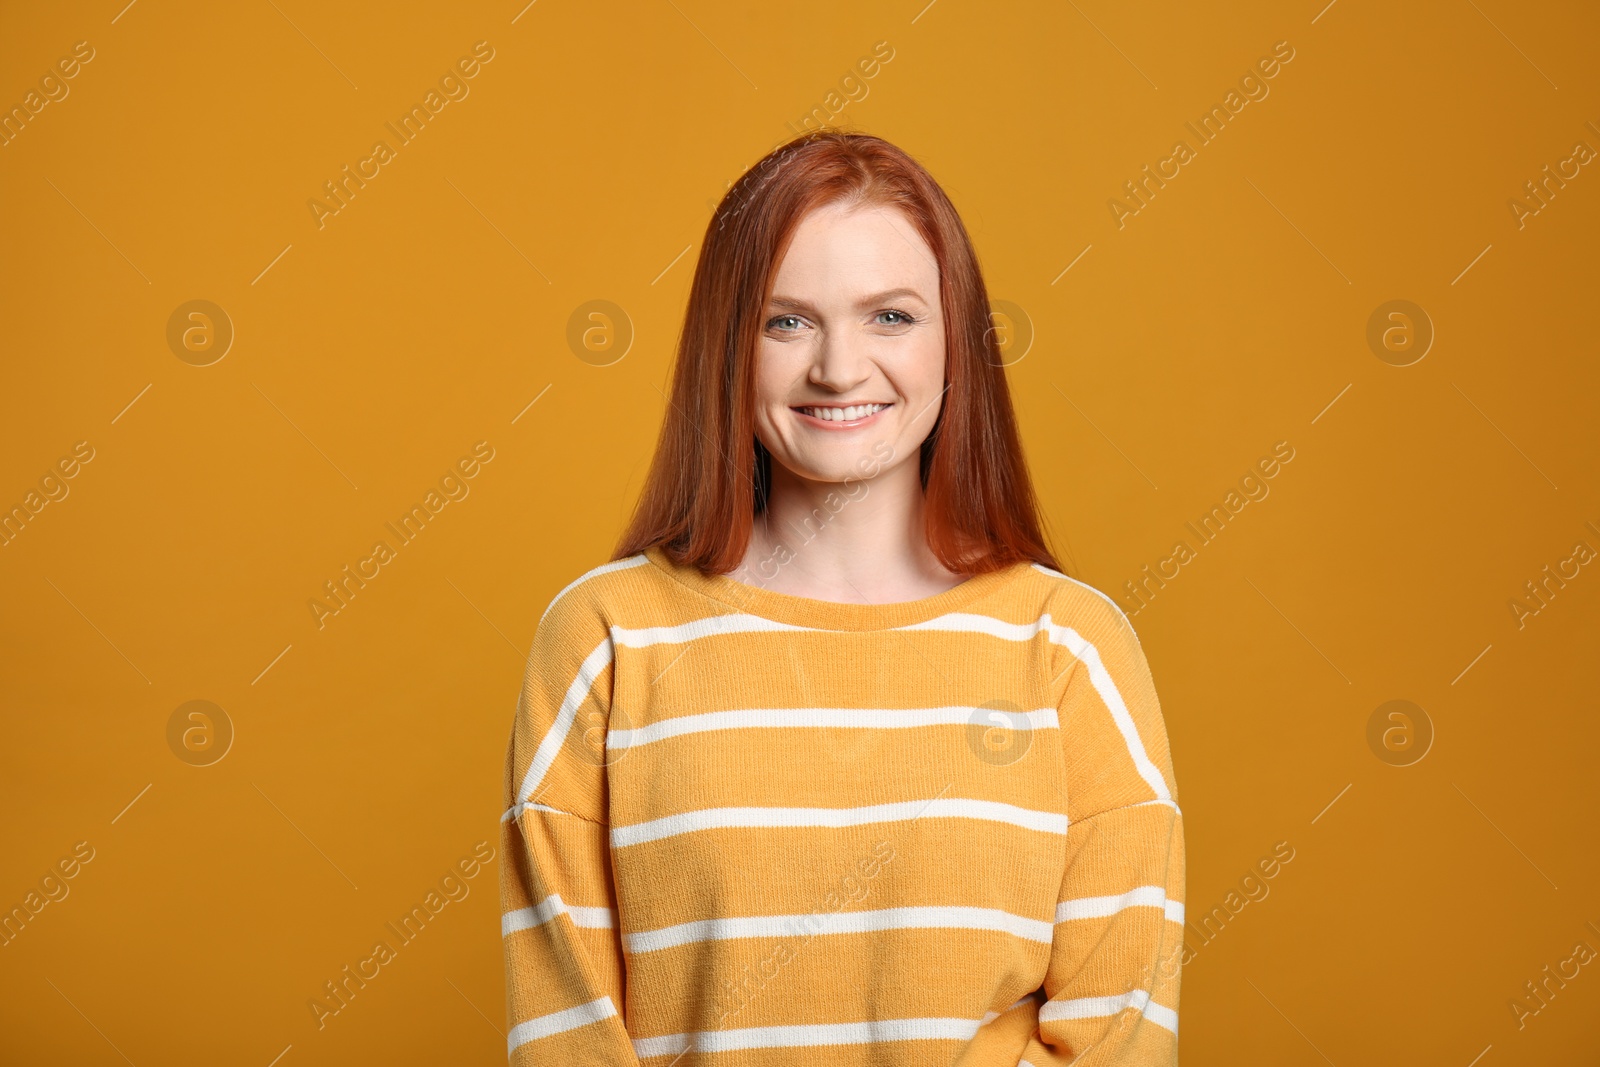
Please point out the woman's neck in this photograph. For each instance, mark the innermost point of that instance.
(857, 542)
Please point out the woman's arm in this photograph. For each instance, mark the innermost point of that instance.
(1115, 963)
(563, 953)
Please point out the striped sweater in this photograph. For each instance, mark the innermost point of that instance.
(750, 829)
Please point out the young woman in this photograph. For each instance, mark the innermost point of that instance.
(832, 764)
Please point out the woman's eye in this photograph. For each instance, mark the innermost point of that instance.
(782, 319)
(902, 319)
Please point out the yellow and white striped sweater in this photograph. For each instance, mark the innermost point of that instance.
(749, 829)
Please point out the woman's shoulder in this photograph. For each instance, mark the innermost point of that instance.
(1082, 607)
(597, 596)
(593, 588)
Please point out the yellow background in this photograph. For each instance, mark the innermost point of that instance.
(373, 352)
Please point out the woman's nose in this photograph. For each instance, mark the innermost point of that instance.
(840, 363)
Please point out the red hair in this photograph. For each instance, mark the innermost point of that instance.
(710, 474)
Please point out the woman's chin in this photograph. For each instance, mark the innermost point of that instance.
(847, 465)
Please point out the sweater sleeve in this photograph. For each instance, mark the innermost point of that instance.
(1113, 974)
(559, 933)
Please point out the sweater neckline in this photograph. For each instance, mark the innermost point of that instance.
(832, 614)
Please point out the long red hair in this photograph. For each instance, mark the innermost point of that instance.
(710, 475)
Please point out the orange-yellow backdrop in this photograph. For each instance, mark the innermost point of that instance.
(1176, 340)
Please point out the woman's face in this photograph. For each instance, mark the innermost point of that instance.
(854, 320)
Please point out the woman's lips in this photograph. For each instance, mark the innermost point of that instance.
(832, 424)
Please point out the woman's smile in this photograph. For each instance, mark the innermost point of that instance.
(840, 416)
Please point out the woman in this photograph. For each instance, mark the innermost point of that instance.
(832, 764)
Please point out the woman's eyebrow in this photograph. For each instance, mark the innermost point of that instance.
(797, 304)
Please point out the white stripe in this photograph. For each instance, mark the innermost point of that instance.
(606, 568)
(592, 918)
(716, 818)
(515, 811)
(559, 1022)
(1095, 1007)
(963, 622)
(1162, 1015)
(528, 918)
(806, 1036)
(693, 630)
(1146, 803)
(821, 718)
(1151, 896)
(1112, 699)
(1080, 648)
(991, 1016)
(1085, 585)
(851, 922)
(549, 908)
(577, 693)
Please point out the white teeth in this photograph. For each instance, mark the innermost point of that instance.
(859, 411)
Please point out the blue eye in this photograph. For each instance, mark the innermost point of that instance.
(781, 318)
(905, 319)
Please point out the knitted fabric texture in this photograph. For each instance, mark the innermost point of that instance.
(750, 829)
